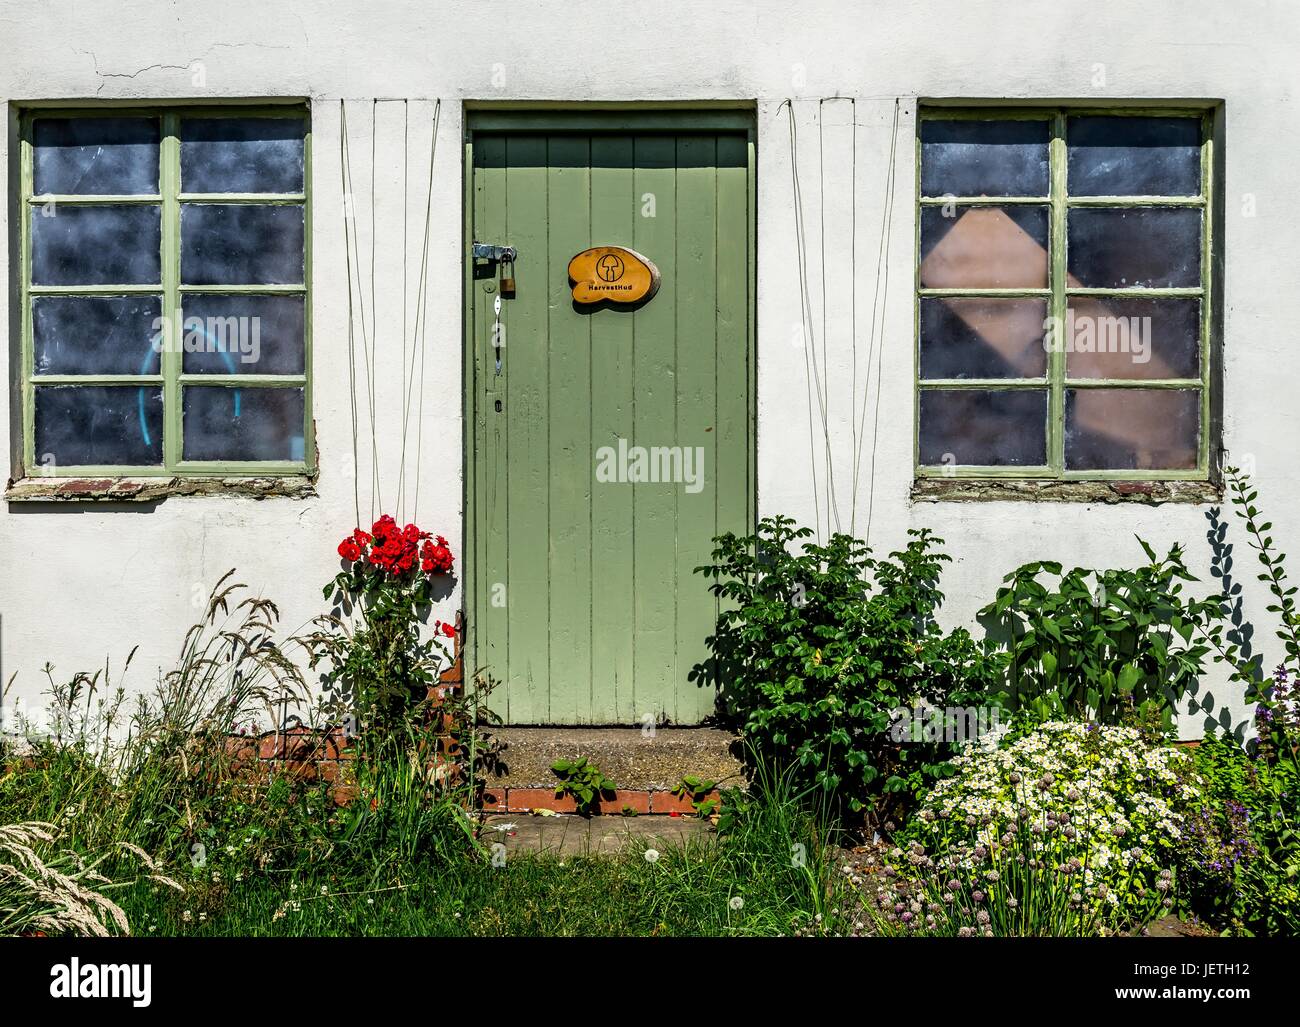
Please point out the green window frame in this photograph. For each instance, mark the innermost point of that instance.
(171, 377)
(1058, 293)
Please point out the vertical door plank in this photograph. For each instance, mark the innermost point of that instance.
(491, 452)
(527, 406)
(615, 208)
(735, 489)
(696, 433)
(569, 436)
(654, 524)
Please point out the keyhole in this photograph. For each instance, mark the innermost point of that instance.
(498, 406)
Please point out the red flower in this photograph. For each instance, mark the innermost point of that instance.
(447, 629)
(397, 550)
(349, 550)
(438, 555)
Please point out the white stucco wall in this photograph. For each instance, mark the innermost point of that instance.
(82, 582)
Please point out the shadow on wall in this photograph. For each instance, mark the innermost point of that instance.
(1241, 632)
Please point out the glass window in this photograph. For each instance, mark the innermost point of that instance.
(1062, 290)
(165, 292)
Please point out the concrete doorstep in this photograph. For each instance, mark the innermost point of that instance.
(562, 835)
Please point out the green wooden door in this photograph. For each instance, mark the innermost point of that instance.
(581, 594)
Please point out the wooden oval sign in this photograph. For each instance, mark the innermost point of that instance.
(614, 274)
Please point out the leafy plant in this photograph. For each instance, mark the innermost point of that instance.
(698, 790)
(1096, 644)
(584, 782)
(816, 654)
(1243, 853)
(386, 666)
(1241, 856)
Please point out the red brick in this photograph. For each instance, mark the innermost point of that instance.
(521, 800)
(299, 770)
(667, 802)
(494, 800)
(241, 749)
(638, 801)
(327, 770)
(270, 746)
(344, 794)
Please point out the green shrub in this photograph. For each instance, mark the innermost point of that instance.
(1097, 644)
(1241, 856)
(1071, 830)
(816, 653)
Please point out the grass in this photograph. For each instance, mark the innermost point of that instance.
(144, 795)
(285, 862)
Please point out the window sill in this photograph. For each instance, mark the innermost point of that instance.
(1149, 493)
(152, 490)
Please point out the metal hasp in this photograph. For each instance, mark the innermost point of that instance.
(491, 251)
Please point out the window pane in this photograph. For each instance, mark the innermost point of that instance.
(95, 334)
(95, 156)
(243, 424)
(242, 155)
(243, 334)
(113, 244)
(984, 158)
(98, 424)
(977, 427)
(241, 244)
(1122, 429)
(1123, 337)
(1150, 247)
(984, 248)
(1112, 156)
(982, 338)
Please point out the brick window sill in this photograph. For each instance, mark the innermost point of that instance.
(152, 490)
(1148, 493)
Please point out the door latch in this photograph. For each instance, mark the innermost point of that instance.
(493, 252)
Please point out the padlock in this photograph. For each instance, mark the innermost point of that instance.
(507, 283)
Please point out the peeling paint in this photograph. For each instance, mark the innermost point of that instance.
(1150, 493)
(152, 490)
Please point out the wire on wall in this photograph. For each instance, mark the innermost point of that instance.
(816, 353)
(413, 331)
